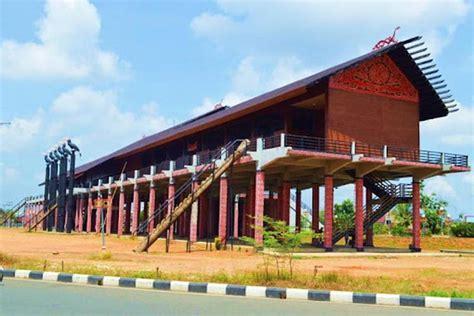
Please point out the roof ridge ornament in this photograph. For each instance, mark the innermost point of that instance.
(387, 41)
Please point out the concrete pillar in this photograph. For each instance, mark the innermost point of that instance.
(193, 221)
(328, 211)
(108, 225)
(223, 209)
(98, 214)
(359, 214)
(80, 217)
(151, 207)
(416, 243)
(89, 214)
(369, 235)
(128, 215)
(202, 215)
(285, 202)
(121, 212)
(171, 191)
(315, 206)
(259, 205)
(136, 210)
(298, 210)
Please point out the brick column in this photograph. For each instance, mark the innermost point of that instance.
(76, 214)
(128, 215)
(108, 225)
(80, 216)
(193, 221)
(285, 200)
(136, 210)
(171, 191)
(89, 214)
(151, 207)
(223, 190)
(98, 214)
(315, 215)
(259, 205)
(202, 215)
(298, 210)
(328, 211)
(359, 214)
(120, 212)
(249, 210)
(369, 235)
(416, 245)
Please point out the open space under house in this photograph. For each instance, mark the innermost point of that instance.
(216, 175)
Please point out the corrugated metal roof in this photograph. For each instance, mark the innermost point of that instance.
(431, 105)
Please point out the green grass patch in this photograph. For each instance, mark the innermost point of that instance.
(102, 256)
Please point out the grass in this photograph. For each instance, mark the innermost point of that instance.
(101, 256)
(421, 285)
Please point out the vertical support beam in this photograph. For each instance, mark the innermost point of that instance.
(259, 205)
(89, 214)
(315, 207)
(151, 207)
(193, 221)
(328, 211)
(98, 212)
(369, 235)
(285, 200)
(203, 211)
(298, 210)
(136, 210)
(108, 225)
(416, 243)
(223, 191)
(121, 212)
(171, 191)
(359, 214)
(128, 214)
(250, 208)
(80, 216)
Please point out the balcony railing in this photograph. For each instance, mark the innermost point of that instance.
(317, 144)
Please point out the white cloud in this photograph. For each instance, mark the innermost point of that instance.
(441, 187)
(455, 130)
(91, 117)
(252, 78)
(256, 27)
(67, 47)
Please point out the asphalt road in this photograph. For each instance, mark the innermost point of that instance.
(27, 297)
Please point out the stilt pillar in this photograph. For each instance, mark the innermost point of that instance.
(359, 214)
(285, 202)
(108, 225)
(223, 209)
(151, 207)
(259, 205)
(328, 211)
(416, 243)
(80, 216)
(236, 216)
(171, 191)
(369, 234)
(136, 210)
(315, 215)
(193, 221)
(202, 215)
(298, 210)
(89, 214)
(98, 213)
(120, 212)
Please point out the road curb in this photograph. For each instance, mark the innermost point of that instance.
(248, 291)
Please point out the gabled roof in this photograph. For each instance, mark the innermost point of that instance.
(416, 68)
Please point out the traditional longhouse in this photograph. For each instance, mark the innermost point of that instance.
(357, 122)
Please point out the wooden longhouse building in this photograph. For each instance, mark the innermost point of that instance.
(357, 122)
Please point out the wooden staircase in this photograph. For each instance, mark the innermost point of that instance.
(218, 165)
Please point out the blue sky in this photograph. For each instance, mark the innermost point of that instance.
(107, 73)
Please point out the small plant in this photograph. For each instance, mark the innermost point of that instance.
(463, 230)
(218, 243)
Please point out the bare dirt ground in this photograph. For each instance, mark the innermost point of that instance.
(83, 249)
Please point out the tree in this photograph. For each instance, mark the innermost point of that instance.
(435, 211)
(344, 215)
(403, 215)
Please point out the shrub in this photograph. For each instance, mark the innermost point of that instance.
(463, 230)
(380, 229)
(399, 230)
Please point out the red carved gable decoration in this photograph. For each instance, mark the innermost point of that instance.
(379, 76)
